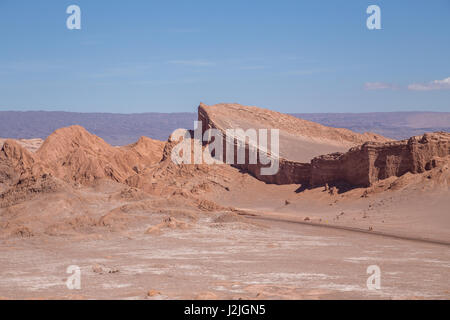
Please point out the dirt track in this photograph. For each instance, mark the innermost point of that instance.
(353, 229)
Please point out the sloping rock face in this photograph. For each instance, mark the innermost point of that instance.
(302, 146)
(370, 162)
(299, 140)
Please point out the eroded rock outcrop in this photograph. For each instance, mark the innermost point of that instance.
(15, 162)
(74, 154)
(313, 155)
(299, 140)
(370, 162)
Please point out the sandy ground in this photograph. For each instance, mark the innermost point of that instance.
(412, 206)
(274, 260)
(269, 250)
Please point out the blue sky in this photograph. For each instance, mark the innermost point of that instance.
(167, 56)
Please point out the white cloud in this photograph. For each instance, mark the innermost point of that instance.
(379, 86)
(433, 85)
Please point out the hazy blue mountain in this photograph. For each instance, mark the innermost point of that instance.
(395, 125)
(116, 129)
(120, 129)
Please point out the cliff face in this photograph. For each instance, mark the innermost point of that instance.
(299, 140)
(363, 164)
(370, 162)
(290, 172)
(414, 155)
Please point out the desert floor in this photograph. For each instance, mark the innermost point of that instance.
(231, 260)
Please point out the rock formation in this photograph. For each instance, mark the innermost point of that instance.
(300, 140)
(370, 158)
(370, 162)
(74, 154)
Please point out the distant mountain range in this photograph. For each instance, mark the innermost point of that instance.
(395, 125)
(116, 129)
(121, 129)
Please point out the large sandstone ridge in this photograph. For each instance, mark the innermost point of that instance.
(313, 155)
(300, 140)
